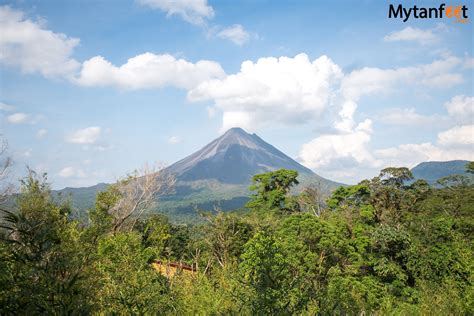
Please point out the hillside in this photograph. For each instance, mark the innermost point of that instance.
(431, 171)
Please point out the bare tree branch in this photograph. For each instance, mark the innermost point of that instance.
(5, 164)
(138, 192)
(312, 199)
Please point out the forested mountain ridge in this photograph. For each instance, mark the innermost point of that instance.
(432, 171)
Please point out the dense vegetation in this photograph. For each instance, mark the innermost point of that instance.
(385, 246)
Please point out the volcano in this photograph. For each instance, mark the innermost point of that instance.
(217, 176)
(234, 158)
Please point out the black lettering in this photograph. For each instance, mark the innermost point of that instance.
(407, 14)
(423, 13)
(435, 10)
(415, 12)
(464, 9)
(391, 11)
(441, 10)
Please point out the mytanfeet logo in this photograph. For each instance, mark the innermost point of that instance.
(456, 12)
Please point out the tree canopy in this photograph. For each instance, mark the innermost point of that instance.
(388, 245)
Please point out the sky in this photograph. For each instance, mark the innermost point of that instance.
(92, 90)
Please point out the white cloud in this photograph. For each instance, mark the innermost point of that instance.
(461, 105)
(67, 172)
(235, 33)
(349, 147)
(376, 81)
(272, 89)
(297, 90)
(72, 172)
(469, 63)
(452, 144)
(41, 133)
(370, 81)
(192, 11)
(148, 71)
(87, 135)
(409, 155)
(102, 147)
(174, 140)
(325, 150)
(6, 107)
(28, 45)
(458, 135)
(414, 34)
(408, 116)
(18, 118)
(211, 111)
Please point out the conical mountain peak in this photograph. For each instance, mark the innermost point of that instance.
(234, 157)
(237, 136)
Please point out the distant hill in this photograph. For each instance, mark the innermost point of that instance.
(83, 198)
(431, 171)
(218, 175)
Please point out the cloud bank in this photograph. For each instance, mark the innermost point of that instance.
(30, 46)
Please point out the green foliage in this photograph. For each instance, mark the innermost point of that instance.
(271, 190)
(131, 285)
(266, 275)
(386, 246)
(40, 248)
(470, 167)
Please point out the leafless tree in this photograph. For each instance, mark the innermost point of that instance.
(138, 193)
(5, 164)
(311, 199)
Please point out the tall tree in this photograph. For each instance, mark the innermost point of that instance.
(272, 189)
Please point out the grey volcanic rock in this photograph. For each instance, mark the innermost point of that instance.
(234, 158)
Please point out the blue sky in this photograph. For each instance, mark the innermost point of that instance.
(91, 90)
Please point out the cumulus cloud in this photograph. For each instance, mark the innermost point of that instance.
(41, 133)
(454, 143)
(272, 89)
(30, 46)
(409, 155)
(174, 140)
(66, 172)
(148, 71)
(326, 149)
(235, 33)
(458, 135)
(70, 172)
(461, 105)
(87, 135)
(408, 116)
(469, 63)
(296, 90)
(370, 81)
(6, 107)
(18, 118)
(413, 34)
(349, 146)
(192, 11)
